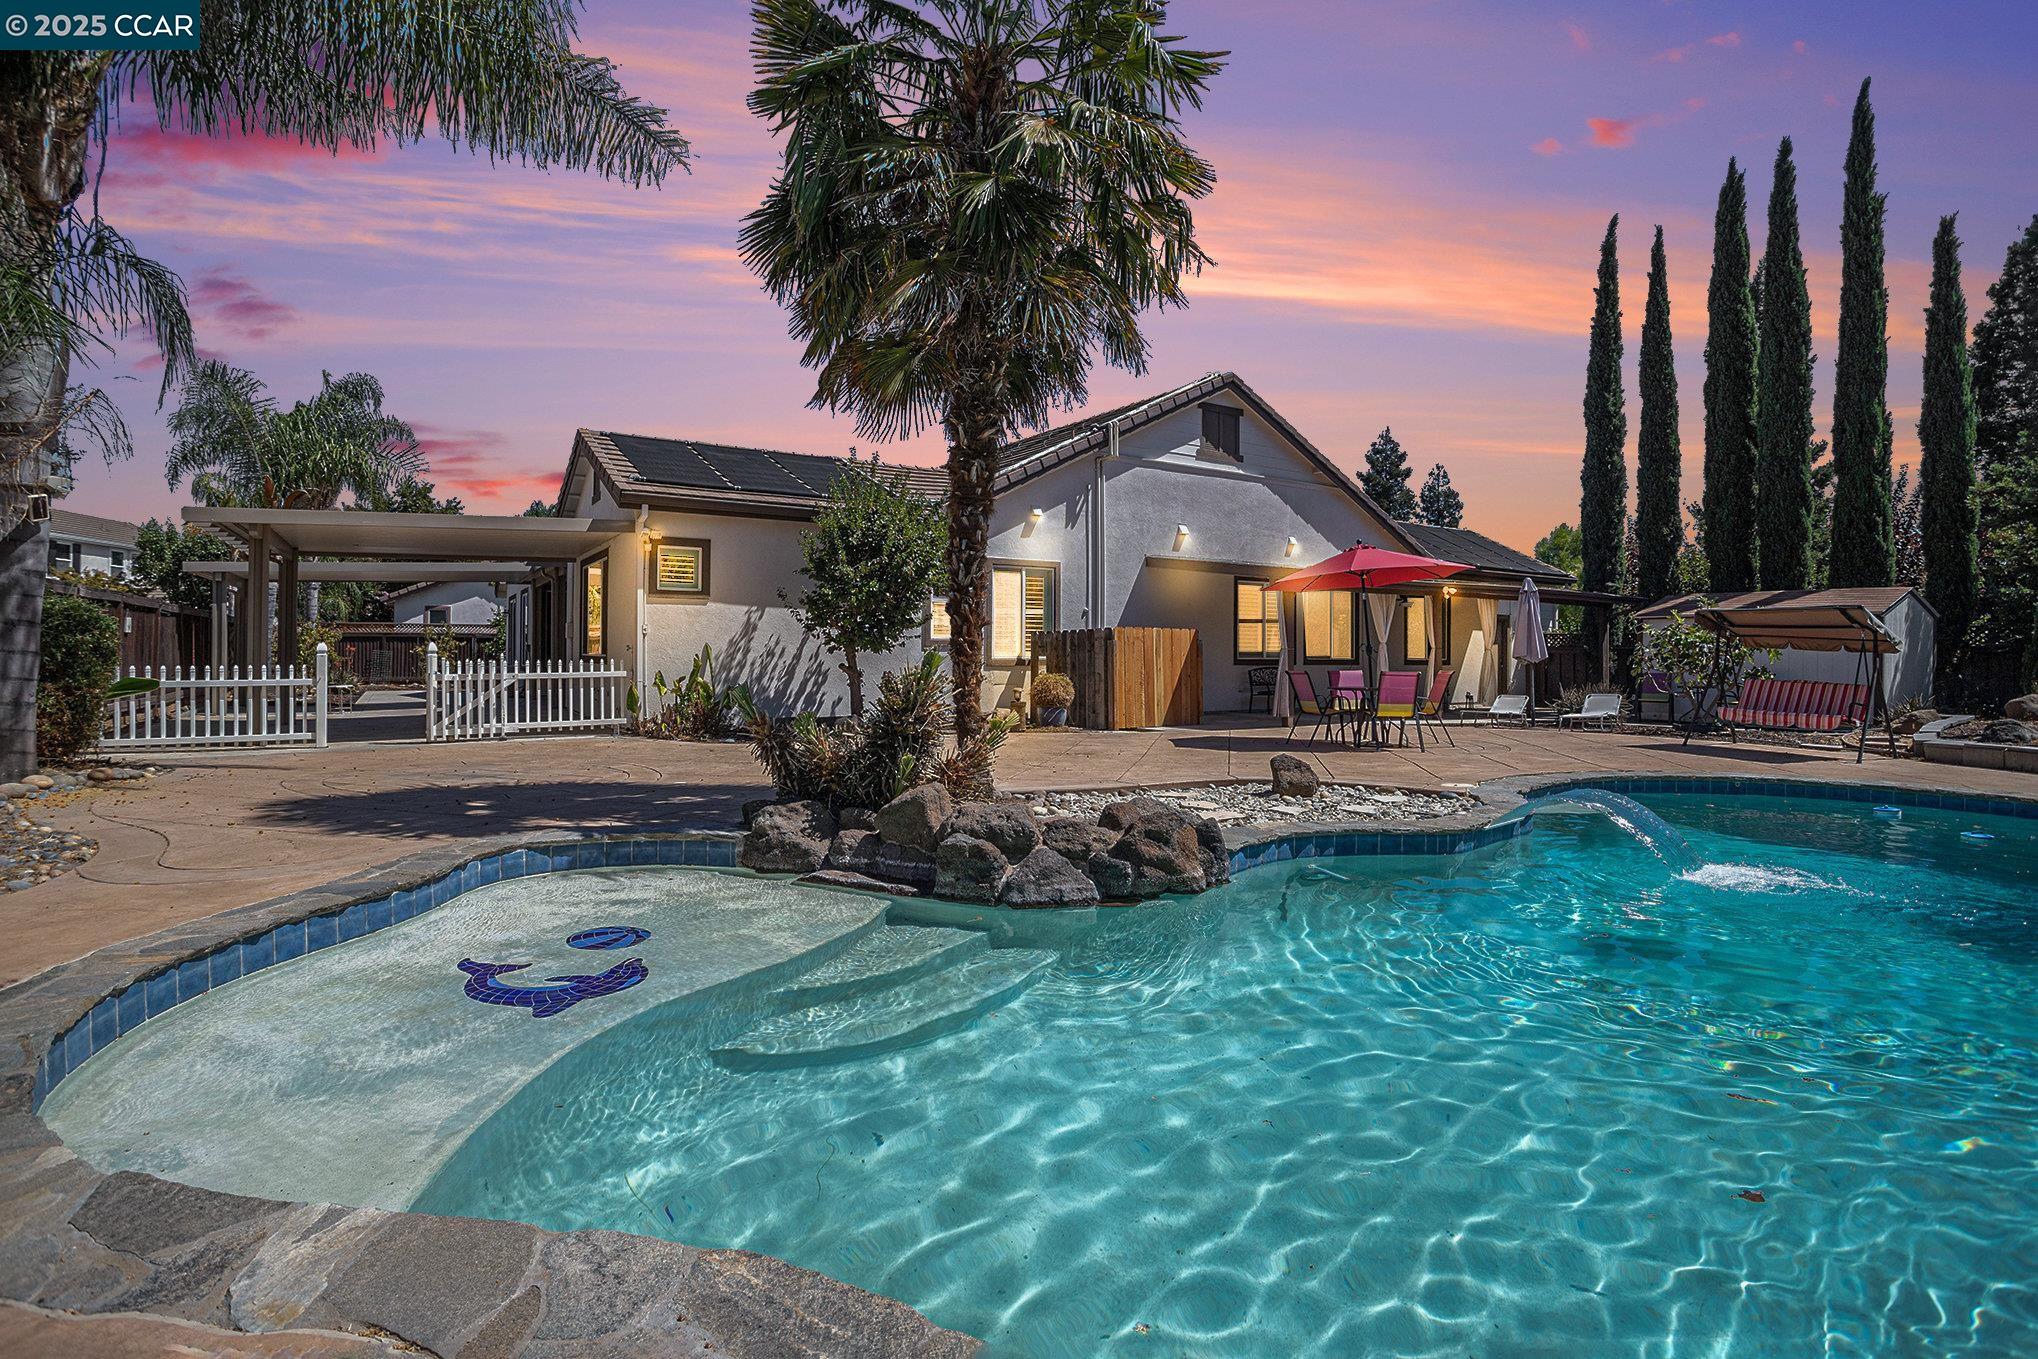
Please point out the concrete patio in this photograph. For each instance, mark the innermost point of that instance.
(227, 829)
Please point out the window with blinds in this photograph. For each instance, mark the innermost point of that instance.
(593, 579)
(939, 627)
(1021, 600)
(1414, 630)
(1327, 625)
(680, 568)
(1257, 615)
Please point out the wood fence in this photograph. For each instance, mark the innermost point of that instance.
(1127, 677)
(394, 653)
(153, 632)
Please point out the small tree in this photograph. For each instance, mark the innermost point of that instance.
(1440, 504)
(160, 551)
(80, 648)
(872, 558)
(1386, 476)
(1694, 659)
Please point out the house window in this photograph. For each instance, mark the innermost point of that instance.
(1256, 635)
(1220, 428)
(439, 615)
(1021, 600)
(1327, 625)
(593, 605)
(117, 563)
(679, 567)
(938, 626)
(1414, 630)
(63, 556)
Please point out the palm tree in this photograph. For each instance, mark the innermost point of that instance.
(976, 196)
(499, 77)
(238, 448)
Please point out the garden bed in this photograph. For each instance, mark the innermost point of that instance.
(1255, 804)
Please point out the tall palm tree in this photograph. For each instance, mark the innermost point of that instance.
(497, 76)
(238, 448)
(976, 197)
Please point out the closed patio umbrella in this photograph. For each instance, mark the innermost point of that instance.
(1530, 643)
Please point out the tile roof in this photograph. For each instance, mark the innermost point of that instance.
(92, 528)
(1877, 599)
(1482, 553)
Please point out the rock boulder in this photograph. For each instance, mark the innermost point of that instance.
(1046, 878)
(2022, 709)
(915, 817)
(968, 869)
(1008, 825)
(903, 863)
(1294, 777)
(1077, 838)
(854, 851)
(788, 837)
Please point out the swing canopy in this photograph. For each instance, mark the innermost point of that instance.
(1802, 627)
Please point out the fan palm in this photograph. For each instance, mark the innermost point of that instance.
(976, 197)
(229, 437)
(497, 76)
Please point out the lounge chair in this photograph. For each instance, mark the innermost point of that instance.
(1396, 703)
(1438, 705)
(1509, 708)
(1599, 708)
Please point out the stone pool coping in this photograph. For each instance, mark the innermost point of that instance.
(1932, 743)
(75, 1239)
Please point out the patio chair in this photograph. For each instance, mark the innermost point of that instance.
(1396, 703)
(1259, 685)
(1653, 697)
(1599, 708)
(1509, 708)
(1303, 691)
(1349, 699)
(1437, 706)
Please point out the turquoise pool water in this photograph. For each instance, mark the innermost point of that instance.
(1542, 1098)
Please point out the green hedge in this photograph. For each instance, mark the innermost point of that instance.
(80, 648)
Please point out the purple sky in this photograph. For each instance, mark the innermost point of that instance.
(1409, 207)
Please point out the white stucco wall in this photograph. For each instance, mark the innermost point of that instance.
(470, 601)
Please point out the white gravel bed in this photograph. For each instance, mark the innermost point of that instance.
(1254, 804)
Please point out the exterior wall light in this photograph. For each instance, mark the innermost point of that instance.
(1181, 536)
(1292, 546)
(1036, 514)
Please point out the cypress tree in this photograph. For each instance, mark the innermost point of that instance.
(1783, 481)
(1946, 510)
(1659, 522)
(1730, 363)
(1864, 550)
(2006, 357)
(1439, 503)
(1603, 479)
(1386, 476)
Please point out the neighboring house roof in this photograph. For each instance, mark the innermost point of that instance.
(1482, 554)
(1878, 600)
(92, 528)
(694, 474)
(638, 467)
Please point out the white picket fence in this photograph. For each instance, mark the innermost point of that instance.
(221, 705)
(477, 700)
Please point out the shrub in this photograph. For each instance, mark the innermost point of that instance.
(1053, 691)
(80, 648)
(693, 709)
(863, 762)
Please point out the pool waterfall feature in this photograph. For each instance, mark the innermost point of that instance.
(1649, 830)
(1578, 1076)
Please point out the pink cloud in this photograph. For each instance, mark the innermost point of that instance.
(150, 146)
(228, 301)
(1615, 132)
(1799, 47)
(1580, 39)
(481, 467)
(1548, 146)
(1674, 54)
(1729, 39)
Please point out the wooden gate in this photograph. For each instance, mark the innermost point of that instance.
(1127, 677)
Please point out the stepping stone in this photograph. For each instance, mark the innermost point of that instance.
(898, 1017)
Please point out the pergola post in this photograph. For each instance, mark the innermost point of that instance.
(220, 639)
(254, 615)
(286, 608)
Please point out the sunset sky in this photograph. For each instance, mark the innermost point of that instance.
(1409, 205)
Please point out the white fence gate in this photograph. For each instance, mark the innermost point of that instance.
(221, 705)
(475, 700)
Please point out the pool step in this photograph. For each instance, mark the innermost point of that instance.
(900, 1016)
(888, 956)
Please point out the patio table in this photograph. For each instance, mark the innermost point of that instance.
(1352, 700)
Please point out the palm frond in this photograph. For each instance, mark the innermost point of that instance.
(87, 284)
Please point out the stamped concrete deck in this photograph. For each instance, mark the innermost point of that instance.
(225, 830)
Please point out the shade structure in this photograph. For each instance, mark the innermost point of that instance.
(1818, 627)
(1530, 642)
(1361, 568)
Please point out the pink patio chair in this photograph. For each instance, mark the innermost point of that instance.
(1306, 705)
(1396, 703)
(1437, 705)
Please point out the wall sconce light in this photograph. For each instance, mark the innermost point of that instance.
(1292, 545)
(1036, 514)
(1450, 589)
(1181, 536)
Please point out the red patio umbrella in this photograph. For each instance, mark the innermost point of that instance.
(1361, 568)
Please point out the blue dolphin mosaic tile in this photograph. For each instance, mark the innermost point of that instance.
(556, 994)
(609, 936)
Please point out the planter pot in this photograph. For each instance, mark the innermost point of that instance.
(1054, 717)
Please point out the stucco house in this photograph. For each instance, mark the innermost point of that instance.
(1176, 510)
(91, 543)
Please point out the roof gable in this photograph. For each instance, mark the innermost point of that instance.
(1482, 554)
(92, 528)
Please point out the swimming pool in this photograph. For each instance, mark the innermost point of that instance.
(1546, 1094)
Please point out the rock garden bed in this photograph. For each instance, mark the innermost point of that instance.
(31, 853)
(1254, 804)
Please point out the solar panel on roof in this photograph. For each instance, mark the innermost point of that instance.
(751, 469)
(670, 462)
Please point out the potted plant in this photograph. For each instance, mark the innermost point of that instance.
(1052, 695)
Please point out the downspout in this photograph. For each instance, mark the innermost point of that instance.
(641, 549)
(1097, 595)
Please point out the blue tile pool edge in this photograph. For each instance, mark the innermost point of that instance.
(160, 989)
